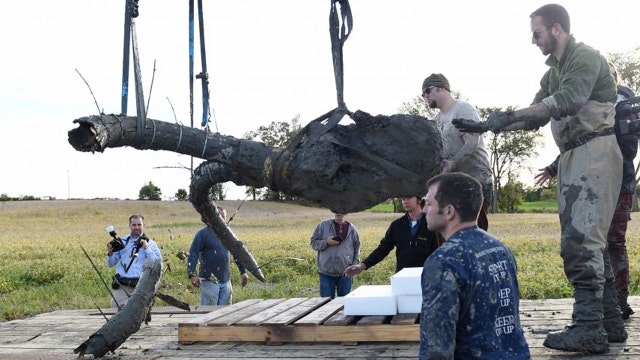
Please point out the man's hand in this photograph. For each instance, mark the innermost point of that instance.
(543, 177)
(355, 269)
(332, 242)
(245, 279)
(498, 120)
(195, 281)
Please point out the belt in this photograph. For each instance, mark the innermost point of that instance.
(581, 140)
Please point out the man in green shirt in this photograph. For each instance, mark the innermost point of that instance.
(577, 96)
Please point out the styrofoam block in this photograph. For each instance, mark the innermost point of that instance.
(407, 281)
(370, 300)
(409, 304)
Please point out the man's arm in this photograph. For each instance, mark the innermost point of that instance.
(356, 247)
(194, 256)
(440, 311)
(319, 240)
(243, 272)
(470, 146)
(530, 118)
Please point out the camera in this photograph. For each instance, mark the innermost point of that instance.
(116, 243)
(337, 238)
(138, 244)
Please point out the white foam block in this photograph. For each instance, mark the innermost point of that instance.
(409, 304)
(407, 281)
(370, 300)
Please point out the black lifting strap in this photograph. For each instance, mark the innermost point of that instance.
(340, 26)
(339, 29)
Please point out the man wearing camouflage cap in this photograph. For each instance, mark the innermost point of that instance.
(463, 152)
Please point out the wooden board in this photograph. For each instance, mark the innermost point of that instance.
(298, 320)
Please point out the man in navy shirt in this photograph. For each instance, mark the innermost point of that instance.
(214, 276)
(469, 285)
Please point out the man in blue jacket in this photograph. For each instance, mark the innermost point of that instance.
(470, 295)
(214, 276)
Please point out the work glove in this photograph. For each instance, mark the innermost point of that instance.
(495, 122)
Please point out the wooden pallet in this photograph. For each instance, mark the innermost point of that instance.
(276, 321)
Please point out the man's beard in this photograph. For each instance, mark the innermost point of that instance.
(550, 47)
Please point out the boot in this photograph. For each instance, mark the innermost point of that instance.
(589, 338)
(624, 305)
(615, 330)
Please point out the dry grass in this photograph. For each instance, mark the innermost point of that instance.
(44, 269)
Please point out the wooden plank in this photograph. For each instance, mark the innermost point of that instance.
(295, 313)
(242, 314)
(203, 319)
(266, 314)
(287, 333)
(340, 319)
(404, 319)
(320, 315)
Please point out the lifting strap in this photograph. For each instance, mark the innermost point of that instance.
(130, 43)
(204, 75)
(340, 26)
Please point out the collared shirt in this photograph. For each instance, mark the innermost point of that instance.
(123, 259)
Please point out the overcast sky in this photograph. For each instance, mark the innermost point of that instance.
(267, 61)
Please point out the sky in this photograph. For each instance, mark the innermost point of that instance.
(267, 61)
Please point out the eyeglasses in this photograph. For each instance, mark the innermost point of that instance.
(426, 91)
(536, 34)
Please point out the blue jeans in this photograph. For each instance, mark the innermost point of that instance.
(212, 293)
(329, 284)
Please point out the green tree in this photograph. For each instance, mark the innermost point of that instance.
(628, 66)
(150, 192)
(511, 196)
(182, 195)
(278, 134)
(418, 106)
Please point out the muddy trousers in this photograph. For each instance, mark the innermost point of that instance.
(616, 241)
(588, 189)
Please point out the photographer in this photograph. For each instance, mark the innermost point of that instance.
(128, 256)
(338, 245)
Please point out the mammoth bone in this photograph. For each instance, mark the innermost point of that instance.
(346, 168)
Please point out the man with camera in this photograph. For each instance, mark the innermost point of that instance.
(128, 254)
(338, 245)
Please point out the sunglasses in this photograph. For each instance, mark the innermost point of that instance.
(536, 34)
(426, 91)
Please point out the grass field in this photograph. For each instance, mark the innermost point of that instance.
(44, 269)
